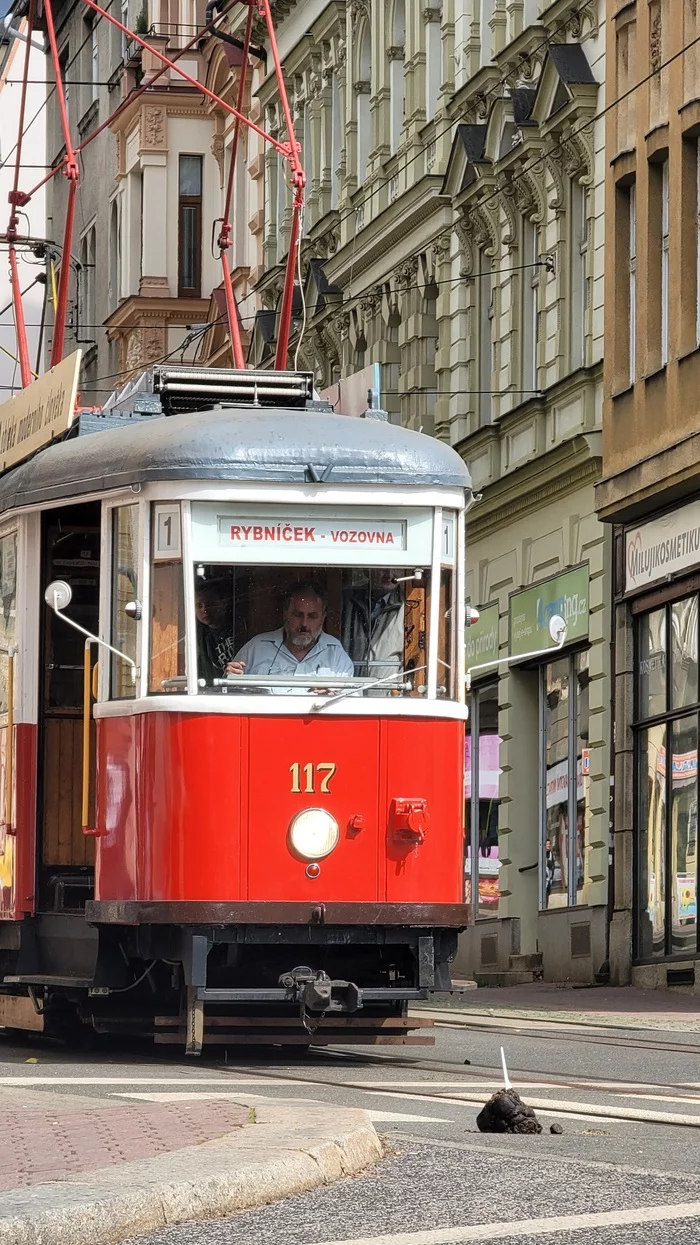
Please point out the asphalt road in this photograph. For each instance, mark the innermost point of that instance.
(611, 1178)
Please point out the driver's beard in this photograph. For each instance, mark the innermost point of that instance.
(305, 640)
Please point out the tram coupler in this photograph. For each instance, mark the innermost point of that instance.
(317, 993)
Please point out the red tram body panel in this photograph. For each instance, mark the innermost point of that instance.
(196, 807)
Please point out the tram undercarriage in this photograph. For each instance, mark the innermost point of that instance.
(209, 984)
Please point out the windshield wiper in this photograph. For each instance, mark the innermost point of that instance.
(353, 691)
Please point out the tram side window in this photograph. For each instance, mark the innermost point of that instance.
(8, 607)
(356, 623)
(124, 590)
(167, 660)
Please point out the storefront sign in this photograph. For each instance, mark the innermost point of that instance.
(254, 532)
(662, 547)
(42, 411)
(481, 638)
(530, 612)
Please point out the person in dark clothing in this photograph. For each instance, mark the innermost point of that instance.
(215, 640)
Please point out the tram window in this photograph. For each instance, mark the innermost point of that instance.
(446, 674)
(124, 589)
(167, 668)
(375, 621)
(8, 607)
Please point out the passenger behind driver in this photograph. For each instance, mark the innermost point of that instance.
(215, 642)
(373, 626)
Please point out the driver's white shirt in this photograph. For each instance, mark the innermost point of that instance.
(268, 654)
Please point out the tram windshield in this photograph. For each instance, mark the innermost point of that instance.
(328, 630)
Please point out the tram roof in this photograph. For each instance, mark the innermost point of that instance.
(242, 443)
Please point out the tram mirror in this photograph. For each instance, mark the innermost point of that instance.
(58, 595)
(558, 629)
(405, 579)
(134, 610)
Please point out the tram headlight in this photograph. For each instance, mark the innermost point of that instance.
(314, 833)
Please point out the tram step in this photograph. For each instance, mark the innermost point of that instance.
(522, 977)
(46, 979)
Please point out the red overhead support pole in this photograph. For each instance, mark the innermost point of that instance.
(298, 184)
(17, 199)
(224, 239)
(70, 170)
(283, 148)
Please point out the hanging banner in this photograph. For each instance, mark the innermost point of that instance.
(37, 414)
(530, 612)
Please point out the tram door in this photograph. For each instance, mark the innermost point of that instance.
(65, 856)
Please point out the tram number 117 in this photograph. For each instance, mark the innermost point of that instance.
(324, 771)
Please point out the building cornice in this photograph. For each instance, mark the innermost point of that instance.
(564, 470)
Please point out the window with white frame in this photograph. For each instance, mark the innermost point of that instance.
(124, 18)
(664, 262)
(530, 286)
(485, 15)
(363, 87)
(336, 139)
(115, 251)
(485, 312)
(433, 59)
(94, 62)
(579, 274)
(396, 74)
(86, 300)
(698, 242)
(632, 283)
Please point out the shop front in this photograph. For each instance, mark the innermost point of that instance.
(660, 720)
(537, 758)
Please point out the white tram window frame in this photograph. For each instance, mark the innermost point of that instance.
(109, 505)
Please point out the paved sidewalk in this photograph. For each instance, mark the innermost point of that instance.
(86, 1171)
(598, 1006)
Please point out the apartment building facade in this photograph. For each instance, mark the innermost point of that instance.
(151, 187)
(453, 248)
(651, 473)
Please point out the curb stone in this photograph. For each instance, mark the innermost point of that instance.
(289, 1150)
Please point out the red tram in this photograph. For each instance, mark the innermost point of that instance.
(209, 834)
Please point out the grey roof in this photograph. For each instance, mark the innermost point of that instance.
(240, 443)
(569, 60)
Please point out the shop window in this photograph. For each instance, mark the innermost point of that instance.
(482, 775)
(667, 704)
(565, 829)
(124, 590)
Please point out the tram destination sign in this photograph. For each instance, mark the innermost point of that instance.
(530, 611)
(39, 413)
(311, 533)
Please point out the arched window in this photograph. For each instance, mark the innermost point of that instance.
(396, 73)
(363, 87)
(115, 255)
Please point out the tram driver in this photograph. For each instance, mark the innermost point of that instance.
(300, 646)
